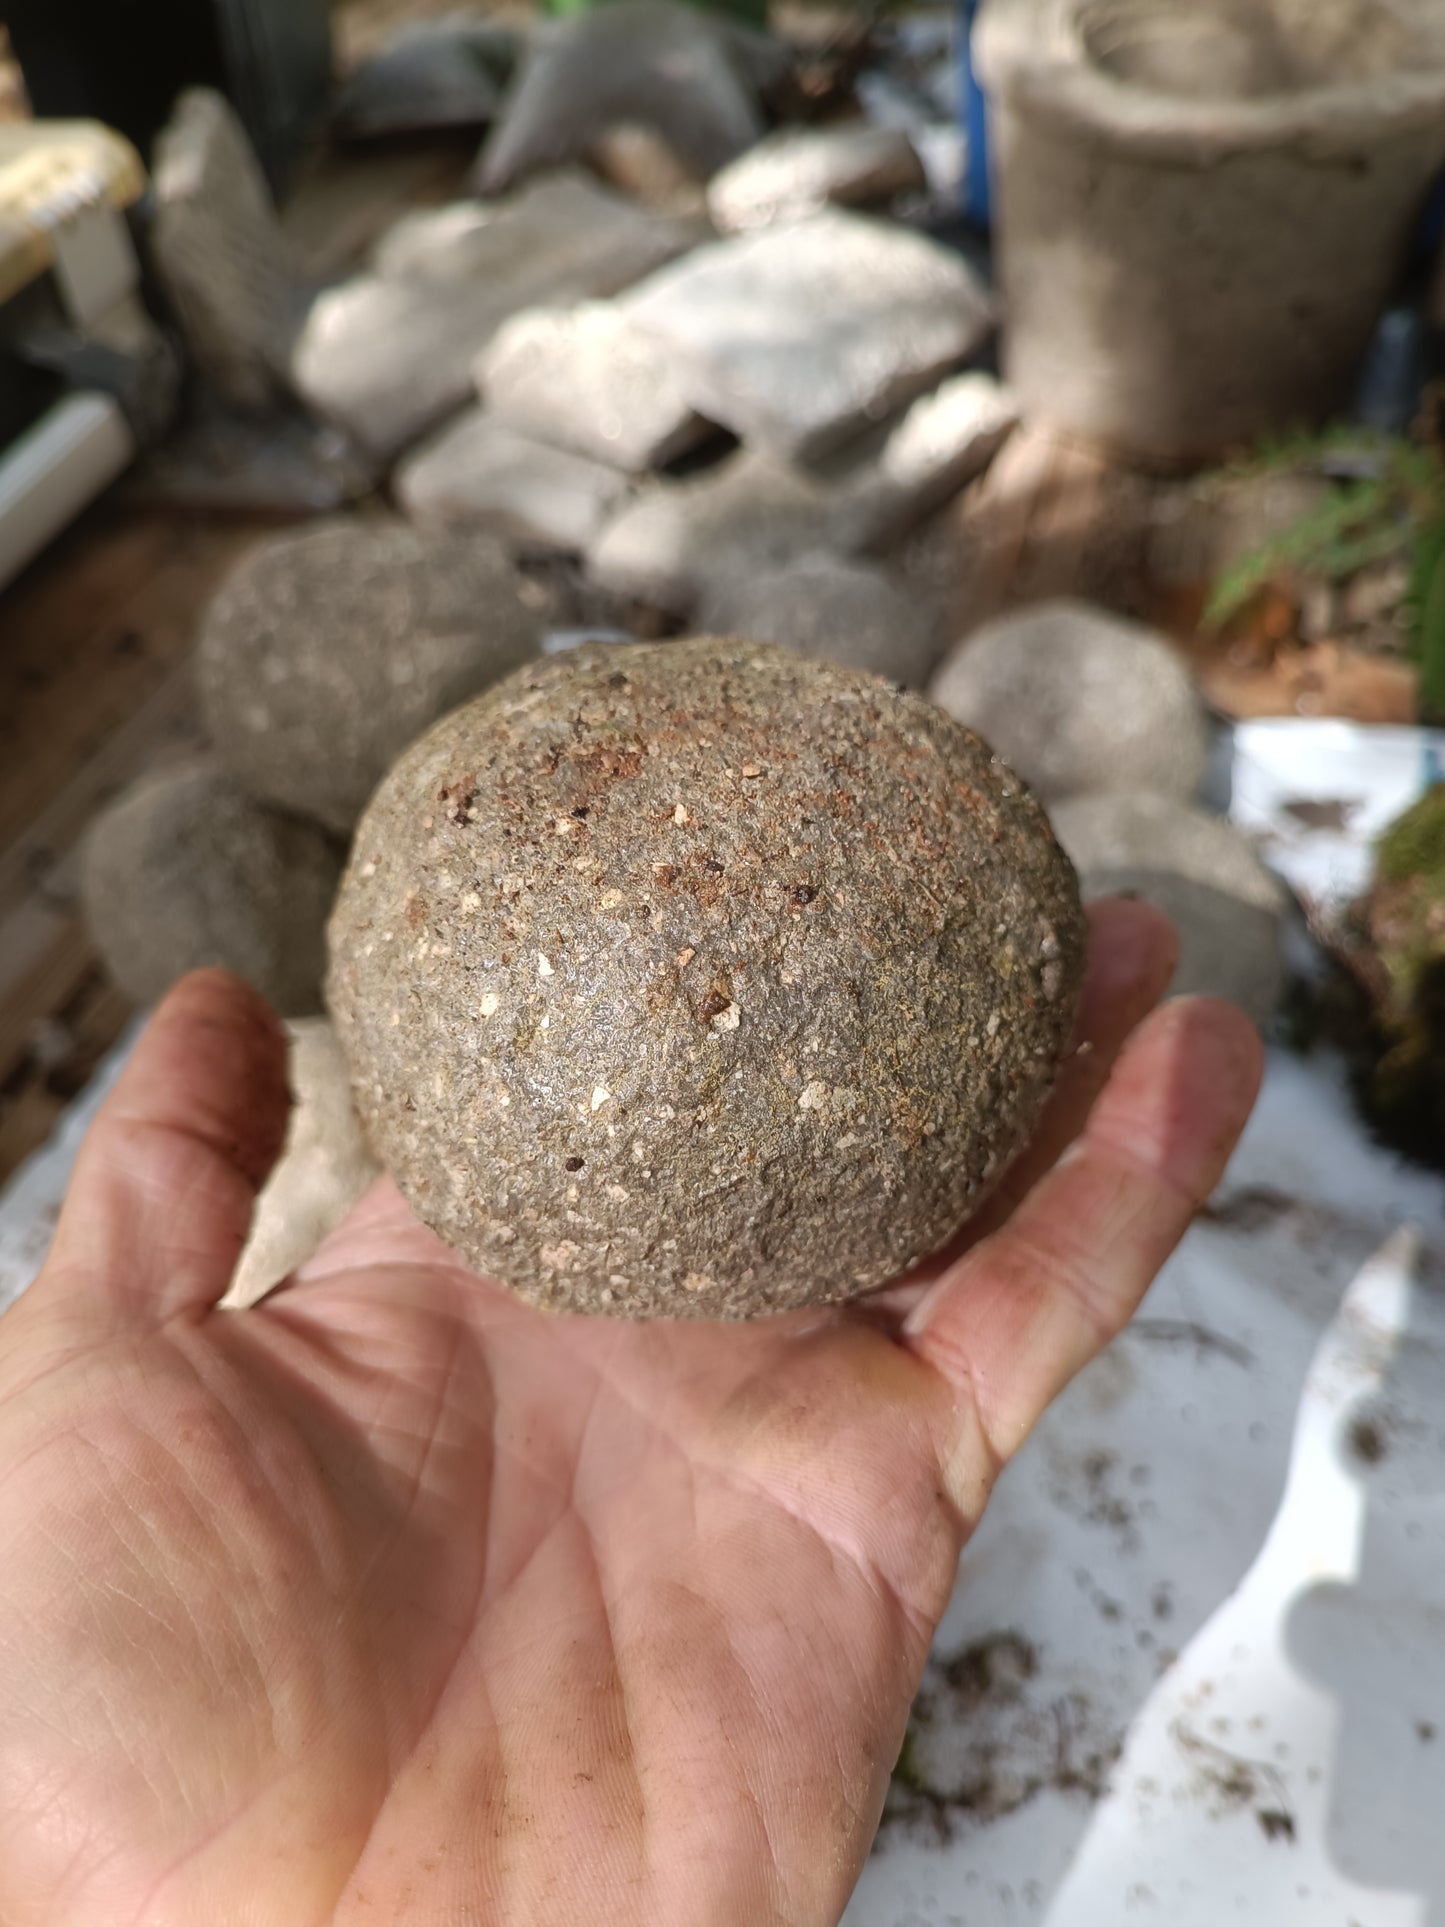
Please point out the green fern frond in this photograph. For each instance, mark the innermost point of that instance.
(1425, 604)
(1361, 522)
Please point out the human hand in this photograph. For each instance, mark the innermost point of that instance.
(391, 1599)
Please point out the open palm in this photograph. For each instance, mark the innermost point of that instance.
(391, 1599)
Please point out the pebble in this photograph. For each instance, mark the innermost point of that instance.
(1079, 700)
(1228, 908)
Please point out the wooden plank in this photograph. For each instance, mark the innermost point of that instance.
(165, 727)
(111, 645)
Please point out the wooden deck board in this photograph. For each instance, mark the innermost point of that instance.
(95, 688)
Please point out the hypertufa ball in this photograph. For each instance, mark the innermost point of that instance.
(701, 979)
(329, 648)
(186, 870)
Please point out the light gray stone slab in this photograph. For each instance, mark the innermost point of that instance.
(586, 379)
(388, 354)
(800, 336)
(798, 170)
(695, 77)
(679, 539)
(219, 253)
(479, 473)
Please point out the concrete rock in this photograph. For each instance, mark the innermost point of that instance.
(751, 511)
(390, 353)
(798, 170)
(480, 474)
(1078, 701)
(850, 613)
(185, 870)
(1228, 909)
(219, 253)
(433, 74)
(693, 76)
(800, 336)
(326, 651)
(698, 979)
(586, 379)
(323, 1169)
(1159, 165)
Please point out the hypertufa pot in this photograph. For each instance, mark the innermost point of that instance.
(1203, 207)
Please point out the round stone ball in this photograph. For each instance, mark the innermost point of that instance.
(845, 612)
(698, 978)
(1079, 701)
(185, 870)
(326, 652)
(1228, 909)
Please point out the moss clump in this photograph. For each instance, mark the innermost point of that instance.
(1413, 846)
(1400, 926)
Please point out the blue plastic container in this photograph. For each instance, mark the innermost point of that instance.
(973, 108)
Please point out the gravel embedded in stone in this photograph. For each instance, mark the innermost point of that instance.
(185, 870)
(698, 978)
(390, 353)
(325, 652)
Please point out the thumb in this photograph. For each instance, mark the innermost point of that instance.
(161, 1197)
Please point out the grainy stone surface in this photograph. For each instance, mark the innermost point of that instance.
(800, 336)
(678, 540)
(1228, 909)
(432, 74)
(851, 613)
(218, 250)
(186, 870)
(390, 353)
(479, 473)
(323, 1169)
(798, 170)
(693, 76)
(584, 378)
(1079, 700)
(699, 979)
(325, 652)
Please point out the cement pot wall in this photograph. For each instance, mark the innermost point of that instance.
(1202, 211)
